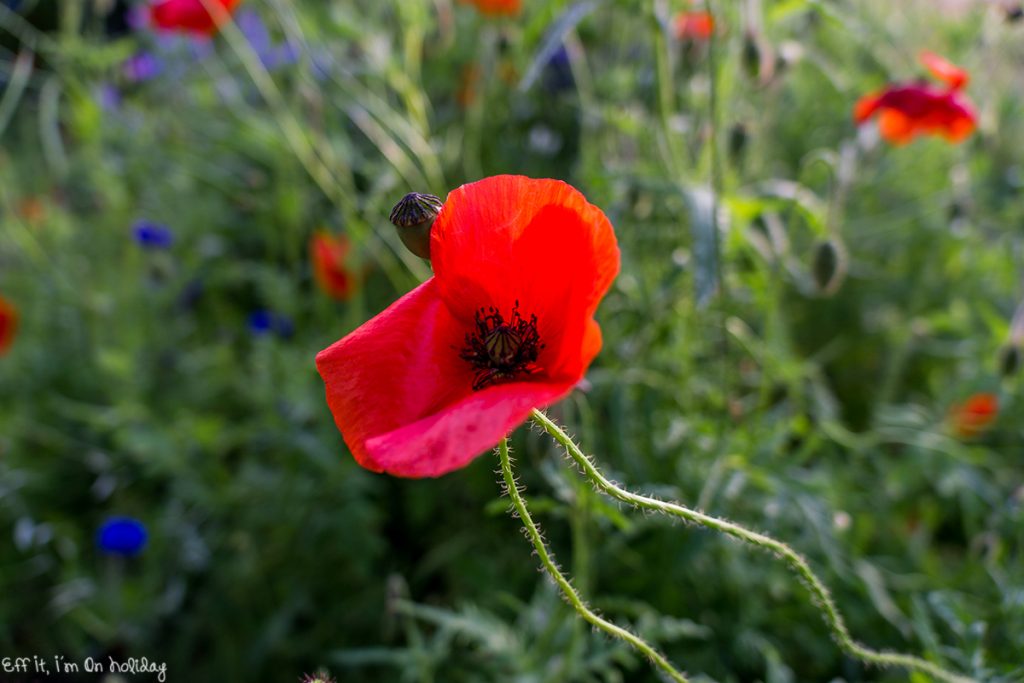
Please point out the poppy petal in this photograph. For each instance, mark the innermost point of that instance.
(975, 415)
(958, 129)
(510, 239)
(328, 255)
(402, 397)
(866, 107)
(395, 369)
(450, 439)
(189, 15)
(694, 26)
(896, 127)
(496, 8)
(944, 70)
(8, 324)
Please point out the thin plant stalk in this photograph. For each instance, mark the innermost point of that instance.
(795, 560)
(334, 178)
(532, 532)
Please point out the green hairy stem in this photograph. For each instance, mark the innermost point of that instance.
(795, 560)
(570, 593)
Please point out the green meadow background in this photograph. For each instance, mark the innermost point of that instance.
(749, 370)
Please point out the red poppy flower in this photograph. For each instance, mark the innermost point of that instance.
(698, 26)
(975, 415)
(8, 324)
(328, 255)
(912, 110)
(505, 325)
(190, 16)
(497, 8)
(944, 70)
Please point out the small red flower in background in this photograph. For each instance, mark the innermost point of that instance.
(31, 210)
(8, 324)
(497, 8)
(696, 26)
(944, 70)
(328, 255)
(505, 325)
(920, 109)
(909, 111)
(975, 415)
(190, 16)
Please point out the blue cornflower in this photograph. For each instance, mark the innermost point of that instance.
(151, 235)
(123, 536)
(142, 67)
(255, 31)
(264, 322)
(557, 74)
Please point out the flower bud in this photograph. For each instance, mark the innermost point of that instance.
(414, 216)
(1009, 360)
(829, 266)
(751, 56)
(1013, 13)
(957, 211)
(737, 146)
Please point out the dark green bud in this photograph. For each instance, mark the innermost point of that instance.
(957, 210)
(738, 137)
(1009, 360)
(829, 266)
(414, 216)
(758, 58)
(751, 56)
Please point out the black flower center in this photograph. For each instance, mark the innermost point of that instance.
(500, 350)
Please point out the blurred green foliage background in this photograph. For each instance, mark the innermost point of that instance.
(815, 408)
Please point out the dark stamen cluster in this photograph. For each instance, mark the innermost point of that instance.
(500, 351)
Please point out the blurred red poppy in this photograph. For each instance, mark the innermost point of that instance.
(975, 415)
(328, 255)
(908, 111)
(505, 325)
(697, 26)
(944, 70)
(496, 8)
(191, 16)
(8, 324)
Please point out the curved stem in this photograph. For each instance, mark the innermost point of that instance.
(548, 562)
(791, 557)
